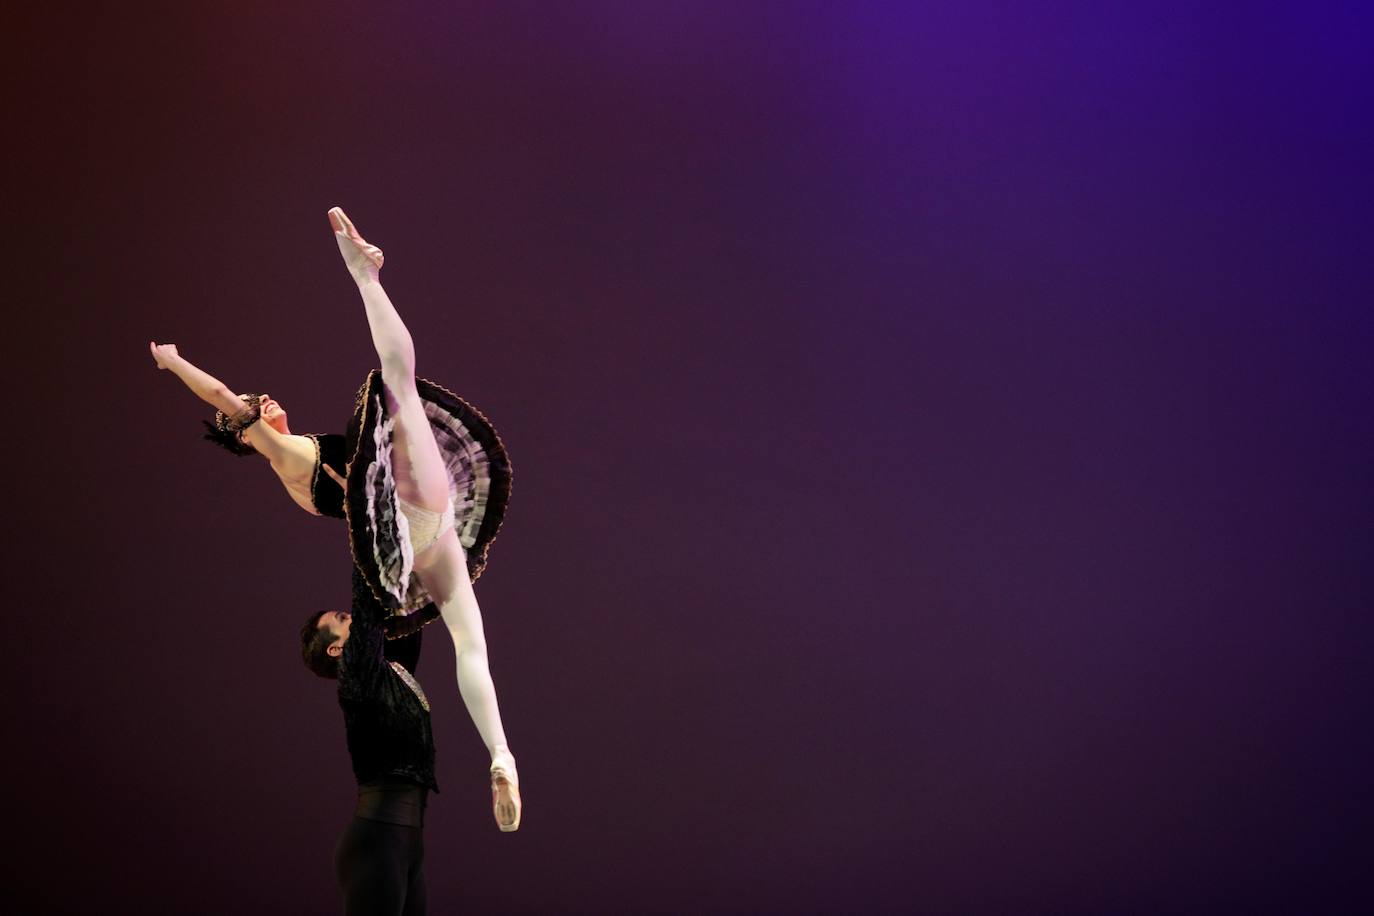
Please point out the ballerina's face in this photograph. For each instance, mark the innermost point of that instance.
(273, 414)
(337, 623)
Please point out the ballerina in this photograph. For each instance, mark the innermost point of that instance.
(421, 477)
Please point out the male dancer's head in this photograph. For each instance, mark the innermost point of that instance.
(322, 641)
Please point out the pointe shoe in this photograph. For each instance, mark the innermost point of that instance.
(362, 259)
(505, 795)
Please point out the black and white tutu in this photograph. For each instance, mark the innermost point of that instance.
(479, 472)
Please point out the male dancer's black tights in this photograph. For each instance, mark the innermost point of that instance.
(380, 860)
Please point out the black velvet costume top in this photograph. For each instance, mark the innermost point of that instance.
(327, 495)
(386, 715)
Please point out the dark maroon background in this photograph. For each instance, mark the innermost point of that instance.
(942, 446)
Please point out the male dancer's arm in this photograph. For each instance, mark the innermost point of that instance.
(363, 662)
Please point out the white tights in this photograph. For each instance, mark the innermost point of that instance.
(422, 481)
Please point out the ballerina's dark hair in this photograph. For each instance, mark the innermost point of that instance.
(227, 440)
(224, 432)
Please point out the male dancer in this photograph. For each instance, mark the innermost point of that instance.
(379, 861)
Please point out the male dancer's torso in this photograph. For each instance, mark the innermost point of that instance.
(386, 713)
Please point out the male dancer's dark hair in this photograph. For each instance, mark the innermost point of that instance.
(315, 644)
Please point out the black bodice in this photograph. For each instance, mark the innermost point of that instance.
(327, 495)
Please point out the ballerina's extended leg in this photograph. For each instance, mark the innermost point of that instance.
(422, 485)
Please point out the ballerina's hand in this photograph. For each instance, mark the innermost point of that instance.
(343, 484)
(162, 353)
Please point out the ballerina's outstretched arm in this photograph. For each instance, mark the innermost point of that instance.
(280, 449)
(202, 384)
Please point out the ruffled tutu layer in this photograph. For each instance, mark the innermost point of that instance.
(479, 472)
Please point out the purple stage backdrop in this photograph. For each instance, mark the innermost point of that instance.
(941, 434)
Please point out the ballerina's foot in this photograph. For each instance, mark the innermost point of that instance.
(505, 796)
(363, 260)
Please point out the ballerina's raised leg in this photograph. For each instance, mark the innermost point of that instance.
(422, 489)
